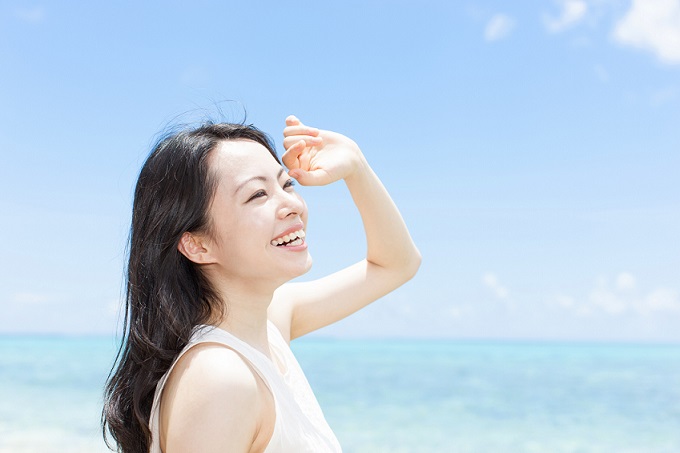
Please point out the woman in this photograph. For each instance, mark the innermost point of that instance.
(217, 231)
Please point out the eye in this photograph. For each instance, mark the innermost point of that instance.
(258, 194)
(289, 183)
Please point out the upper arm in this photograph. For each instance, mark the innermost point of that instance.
(210, 403)
(300, 308)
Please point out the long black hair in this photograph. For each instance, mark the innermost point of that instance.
(167, 295)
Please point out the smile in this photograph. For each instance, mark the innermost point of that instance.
(290, 240)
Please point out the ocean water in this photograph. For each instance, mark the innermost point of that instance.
(393, 396)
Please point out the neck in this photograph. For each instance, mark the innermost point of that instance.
(246, 312)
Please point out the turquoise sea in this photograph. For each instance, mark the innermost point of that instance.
(393, 396)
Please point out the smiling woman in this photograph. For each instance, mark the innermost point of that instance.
(218, 231)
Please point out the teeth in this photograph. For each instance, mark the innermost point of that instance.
(289, 237)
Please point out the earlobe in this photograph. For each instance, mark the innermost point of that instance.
(191, 246)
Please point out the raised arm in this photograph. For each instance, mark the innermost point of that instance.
(317, 157)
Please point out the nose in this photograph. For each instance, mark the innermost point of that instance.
(291, 204)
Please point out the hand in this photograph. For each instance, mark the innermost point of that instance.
(316, 157)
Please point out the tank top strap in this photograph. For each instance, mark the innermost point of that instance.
(262, 364)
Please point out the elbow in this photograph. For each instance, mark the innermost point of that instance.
(412, 265)
(402, 269)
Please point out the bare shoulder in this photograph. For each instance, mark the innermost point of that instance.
(211, 401)
(212, 365)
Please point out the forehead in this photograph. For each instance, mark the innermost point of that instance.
(237, 160)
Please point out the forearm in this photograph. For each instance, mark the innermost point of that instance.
(389, 243)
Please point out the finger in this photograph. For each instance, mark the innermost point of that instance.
(305, 159)
(300, 129)
(292, 120)
(311, 178)
(309, 141)
(290, 157)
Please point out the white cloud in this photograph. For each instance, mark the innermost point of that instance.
(652, 25)
(621, 299)
(661, 299)
(625, 281)
(491, 281)
(602, 73)
(455, 312)
(29, 298)
(565, 301)
(664, 96)
(34, 15)
(500, 26)
(571, 304)
(573, 11)
(603, 298)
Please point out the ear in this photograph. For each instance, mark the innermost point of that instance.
(194, 249)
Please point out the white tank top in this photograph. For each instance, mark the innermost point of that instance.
(300, 425)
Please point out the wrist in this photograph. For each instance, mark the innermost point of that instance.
(360, 170)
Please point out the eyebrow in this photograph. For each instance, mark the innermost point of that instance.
(256, 178)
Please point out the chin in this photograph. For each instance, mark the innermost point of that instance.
(307, 266)
(302, 269)
(309, 263)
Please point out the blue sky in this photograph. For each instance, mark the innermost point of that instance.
(533, 148)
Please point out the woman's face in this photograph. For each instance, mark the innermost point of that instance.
(254, 205)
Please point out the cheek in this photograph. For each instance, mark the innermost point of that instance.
(231, 232)
(304, 213)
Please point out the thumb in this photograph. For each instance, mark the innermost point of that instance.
(310, 178)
